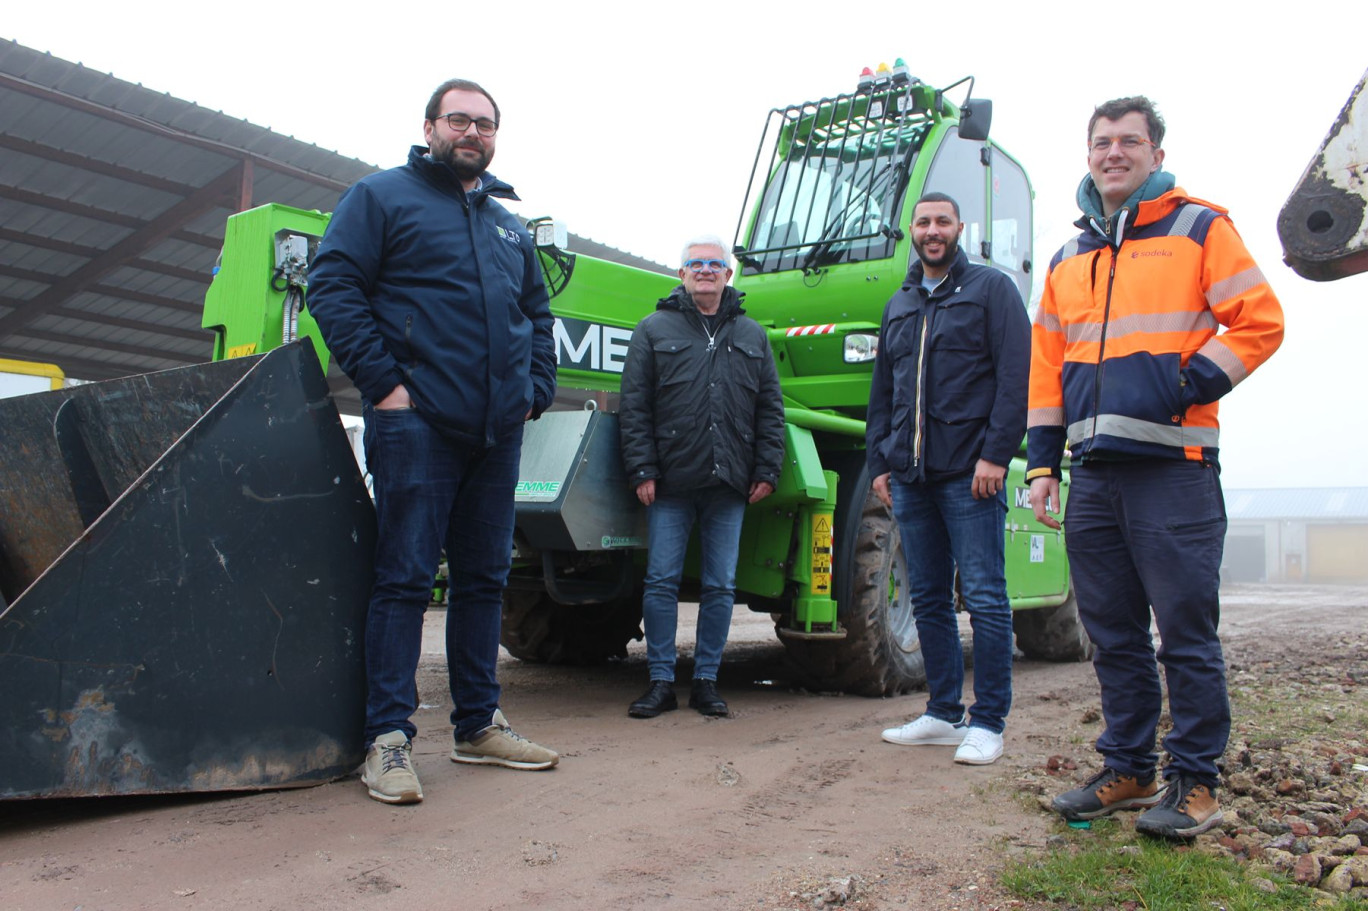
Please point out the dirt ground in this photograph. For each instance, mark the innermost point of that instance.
(791, 803)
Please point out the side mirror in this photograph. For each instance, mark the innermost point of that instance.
(548, 232)
(976, 116)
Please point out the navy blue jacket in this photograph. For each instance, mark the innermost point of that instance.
(950, 380)
(418, 283)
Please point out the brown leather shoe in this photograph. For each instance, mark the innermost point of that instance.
(1106, 792)
(1188, 809)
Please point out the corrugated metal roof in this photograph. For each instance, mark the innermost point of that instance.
(113, 199)
(1316, 503)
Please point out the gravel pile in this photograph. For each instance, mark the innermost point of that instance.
(1294, 791)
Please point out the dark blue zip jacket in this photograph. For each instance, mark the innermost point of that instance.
(950, 380)
(418, 283)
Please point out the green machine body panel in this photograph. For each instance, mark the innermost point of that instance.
(597, 304)
(245, 306)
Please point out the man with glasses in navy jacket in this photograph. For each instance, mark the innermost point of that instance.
(429, 294)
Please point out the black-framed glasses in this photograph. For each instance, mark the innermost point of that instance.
(698, 265)
(1129, 143)
(459, 123)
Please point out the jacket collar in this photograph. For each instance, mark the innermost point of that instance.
(1137, 210)
(680, 299)
(440, 173)
(917, 272)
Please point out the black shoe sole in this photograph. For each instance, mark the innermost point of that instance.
(713, 711)
(1172, 832)
(644, 712)
(1085, 815)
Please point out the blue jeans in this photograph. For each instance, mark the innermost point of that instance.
(429, 491)
(942, 527)
(718, 511)
(1142, 536)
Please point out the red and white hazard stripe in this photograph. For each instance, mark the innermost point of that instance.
(824, 329)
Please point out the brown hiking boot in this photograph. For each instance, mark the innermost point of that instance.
(1106, 792)
(1188, 809)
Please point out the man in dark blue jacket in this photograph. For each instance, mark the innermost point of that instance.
(429, 294)
(947, 411)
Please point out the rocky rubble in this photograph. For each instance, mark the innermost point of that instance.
(1295, 784)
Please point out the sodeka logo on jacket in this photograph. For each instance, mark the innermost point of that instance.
(1138, 253)
(507, 234)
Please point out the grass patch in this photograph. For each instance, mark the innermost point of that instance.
(1109, 867)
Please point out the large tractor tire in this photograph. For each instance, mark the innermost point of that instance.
(535, 628)
(881, 654)
(1052, 633)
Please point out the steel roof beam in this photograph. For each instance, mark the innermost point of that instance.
(142, 297)
(107, 319)
(95, 165)
(63, 246)
(67, 207)
(23, 86)
(211, 196)
(103, 344)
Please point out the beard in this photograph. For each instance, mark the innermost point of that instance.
(466, 168)
(947, 256)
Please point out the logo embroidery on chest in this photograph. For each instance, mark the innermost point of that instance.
(507, 234)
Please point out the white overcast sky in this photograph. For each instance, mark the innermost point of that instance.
(636, 123)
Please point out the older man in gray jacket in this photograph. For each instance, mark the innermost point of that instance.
(702, 435)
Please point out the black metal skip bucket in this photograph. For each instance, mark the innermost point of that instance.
(186, 558)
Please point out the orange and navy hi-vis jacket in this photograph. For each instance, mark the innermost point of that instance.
(1126, 362)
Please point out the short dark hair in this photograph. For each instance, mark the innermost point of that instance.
(434, 105)
(934, 196)
(1120, 107)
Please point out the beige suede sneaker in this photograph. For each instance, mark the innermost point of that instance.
(388, 774)
(498, 744)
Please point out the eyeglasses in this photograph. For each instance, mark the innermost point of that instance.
(1129, 143)
(698, 265)
(459, 123)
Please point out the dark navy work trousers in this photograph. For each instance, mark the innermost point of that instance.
(1148, 536)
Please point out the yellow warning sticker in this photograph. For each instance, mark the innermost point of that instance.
(242, 350)
(821, 554)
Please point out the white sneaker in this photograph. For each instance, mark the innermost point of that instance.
(980, 747)
(928, 731)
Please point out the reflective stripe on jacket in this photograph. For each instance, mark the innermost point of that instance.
(1126, 359)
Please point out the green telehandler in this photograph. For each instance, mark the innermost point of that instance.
(820, 246)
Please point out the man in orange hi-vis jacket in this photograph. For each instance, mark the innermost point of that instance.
(1128, 360)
